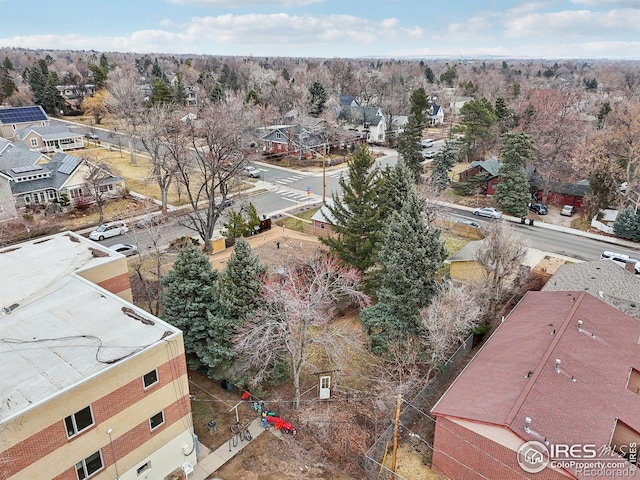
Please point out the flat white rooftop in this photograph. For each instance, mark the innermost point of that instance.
(56, 328)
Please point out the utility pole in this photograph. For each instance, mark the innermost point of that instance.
(396, 434)
(324, 173)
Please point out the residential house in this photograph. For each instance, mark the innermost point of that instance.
(13, 119)
(563, 369)
(35, 182)
(603, 279)
(72, 92)
(456, 103)
(559, 193)
(92, 386)
(490, 168)
(366, 120)
(465, 267)
(297, 140)
(51, 138)
(436, 114)
(322, 221)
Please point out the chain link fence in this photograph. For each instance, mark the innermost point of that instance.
(375, 457)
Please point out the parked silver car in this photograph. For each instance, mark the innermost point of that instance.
(489, 212)
(107, 230)
(124, 248)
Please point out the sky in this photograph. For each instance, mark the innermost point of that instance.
(464, 29)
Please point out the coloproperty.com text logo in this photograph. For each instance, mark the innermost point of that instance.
(587, 460)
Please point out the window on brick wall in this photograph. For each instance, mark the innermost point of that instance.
(156, 420)
(90, 465)
(150, 378)
(79, 421)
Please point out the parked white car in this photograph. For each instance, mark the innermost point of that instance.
(107, 230)
(489, 212)
(125, 249)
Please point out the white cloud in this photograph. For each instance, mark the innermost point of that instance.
(473, 25)
(607, 3)
(246, 3)
(576, 23)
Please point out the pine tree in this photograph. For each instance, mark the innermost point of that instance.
(38, 75)
(99, 76)
(358, 216)
(627, 225)
(443, 162)
(397, 186)
(409, 147)
(239, 287)
(241, 281)
(190, 295)
(409, 259)
(512, 193)
(161, 93)
(317, 99)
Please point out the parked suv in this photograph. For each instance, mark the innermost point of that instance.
(539, 208)
(107, 230)
(617, 258)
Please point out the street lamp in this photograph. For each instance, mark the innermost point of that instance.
(113, 452)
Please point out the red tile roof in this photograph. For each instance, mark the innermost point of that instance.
(494, 387)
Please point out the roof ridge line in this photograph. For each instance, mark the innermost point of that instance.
(543, 360)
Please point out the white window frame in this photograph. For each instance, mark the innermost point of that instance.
(151, 427)
(157, 380)
(34, 142)
(83, 464)
(75, 426)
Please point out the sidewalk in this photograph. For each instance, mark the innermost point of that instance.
(209, 462)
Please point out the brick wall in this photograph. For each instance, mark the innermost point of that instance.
(461, 453)
(54, 436)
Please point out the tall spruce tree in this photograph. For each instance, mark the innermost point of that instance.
(443, 163)
(409, 147)
(410, 256)
(627, 225)
(190, 295)
(512, 193)
(358, 216)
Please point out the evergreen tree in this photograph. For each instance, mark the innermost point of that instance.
(501, 109)
(398, 184)
(7, 65)
(419, 105)
(38, 75)
(104, 63)
(476, 122)
(512, 193)
(239, 286)
(241, 282)
(178, 92)
(156, 71)
(358, 216)
(429, 75)
(190, 295)
(409, 147)
(627, 225)
(52, 100)
(443, 163)
(99, 76)
(409, 259)
(252, 98)
(317, 99)
(161, 93)
(449, 76)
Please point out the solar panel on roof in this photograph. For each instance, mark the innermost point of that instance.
(28, 168)
(68, 164)
(22, 115)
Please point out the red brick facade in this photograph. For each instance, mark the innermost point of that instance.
(117, 284)
(461, 453)
(132, 439)
(54, 436)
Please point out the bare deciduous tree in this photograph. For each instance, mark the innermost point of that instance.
(161, 134)
(97, 185)
(126, 101)
(500, 255)
(295, 302)
(211, 166)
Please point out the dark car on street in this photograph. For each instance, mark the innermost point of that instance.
(539, 208)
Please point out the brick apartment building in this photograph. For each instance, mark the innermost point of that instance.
(562, 369)
(92, 386)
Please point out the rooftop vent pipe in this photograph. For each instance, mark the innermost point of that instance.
(557, 367)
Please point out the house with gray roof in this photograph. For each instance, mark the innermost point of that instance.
(29, 179)
(13, 119)
(489, 168)
(296, 139)
(50, 138)
(369, 120)
(603, 279)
